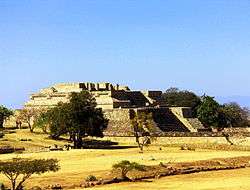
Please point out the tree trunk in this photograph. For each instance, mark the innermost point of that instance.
(137, 139)
(71, 137)
(77, 144)
(124, 176)
(1, 123)
(141, 147)
(45, 129)
(227, 137)
(79, 141)
(30, 127)
(13, 185)
(20, 186)
(74, 141)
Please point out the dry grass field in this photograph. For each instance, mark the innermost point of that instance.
(215, 180)
(77, 164)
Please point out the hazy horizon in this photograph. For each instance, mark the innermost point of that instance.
(202, 46)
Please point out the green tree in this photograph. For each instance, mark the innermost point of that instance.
(143, 127)
(4, 114)
(19, 170)
(181, 98)
(42, 122)
(78, 118)
(234, 115)
(56, 119)
(209, 112)
(125, 166)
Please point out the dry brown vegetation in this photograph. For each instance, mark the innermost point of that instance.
(76, 165)
(169, 169)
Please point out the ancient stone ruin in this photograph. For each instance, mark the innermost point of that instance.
(107, 96)
(118, 103)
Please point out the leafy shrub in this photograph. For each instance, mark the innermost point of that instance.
(125, 166)
(91, 178)
(18, 170)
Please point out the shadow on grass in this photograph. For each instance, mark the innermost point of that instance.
(107, 147)
(103, 144)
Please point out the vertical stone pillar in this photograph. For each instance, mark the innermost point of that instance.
(117, 86)
(89, 86)
(97, 86)
(110, 86)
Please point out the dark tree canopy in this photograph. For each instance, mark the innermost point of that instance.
(211, 113)
(4, 114)
(208, 112)
(78, 118)
(181, 98)
(234, 115)
(19, 170)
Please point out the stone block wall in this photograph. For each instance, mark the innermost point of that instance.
(182, 111)
(46, 101)
(165, 119)
(119, 122)
(67, 87)
(179, 140)
(103, 99)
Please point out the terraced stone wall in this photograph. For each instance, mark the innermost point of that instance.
(182, 140)
(119, 122)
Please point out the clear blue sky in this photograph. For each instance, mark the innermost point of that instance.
(200, 45)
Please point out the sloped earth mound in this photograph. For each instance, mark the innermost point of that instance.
(169, 169)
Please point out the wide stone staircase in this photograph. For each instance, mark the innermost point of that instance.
(137, 99)
(167, 121)
(192, 124)
(196, 124)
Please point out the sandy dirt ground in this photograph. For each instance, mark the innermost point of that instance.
(216, 180)
(76, 165)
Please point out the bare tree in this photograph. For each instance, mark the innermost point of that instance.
(28, 115)
(143, 128)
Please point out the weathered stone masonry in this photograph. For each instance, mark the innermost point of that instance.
(117, 103)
